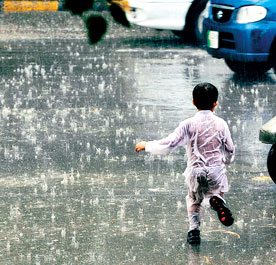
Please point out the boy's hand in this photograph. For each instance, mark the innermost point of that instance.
(141, 146)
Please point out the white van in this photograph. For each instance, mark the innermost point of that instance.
(183, 17)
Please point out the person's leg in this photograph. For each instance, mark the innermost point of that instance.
(197, 186)
(218, 194)
(194, 210)
(218, 203)
(218, 184)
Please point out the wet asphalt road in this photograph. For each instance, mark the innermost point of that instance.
(73, 190)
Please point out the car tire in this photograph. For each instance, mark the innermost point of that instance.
(271, 163)
(273, 55)
(248, 69)
(193, 31)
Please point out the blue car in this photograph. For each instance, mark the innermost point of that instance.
(243, 33)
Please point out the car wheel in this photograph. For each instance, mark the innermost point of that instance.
(273, 56)
(248, 69)
(193, 31)
(198, 26)
(271, 162)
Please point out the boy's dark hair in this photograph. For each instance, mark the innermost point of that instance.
(204, 96)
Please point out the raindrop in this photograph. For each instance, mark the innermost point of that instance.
(107, 152)
(122, 211)
(179, 205)
(8, 247)
(63, 232)
(150, 180)
(65, 180)
(96, 201)
(53, 217)
(124, 158)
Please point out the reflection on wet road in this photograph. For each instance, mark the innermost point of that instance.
(73, 190)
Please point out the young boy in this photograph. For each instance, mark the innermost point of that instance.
(209, 147)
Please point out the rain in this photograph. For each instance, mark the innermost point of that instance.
(73, 189)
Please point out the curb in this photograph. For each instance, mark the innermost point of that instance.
(25, 6)
(29, 5)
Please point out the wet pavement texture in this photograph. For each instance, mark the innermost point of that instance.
(73, 190)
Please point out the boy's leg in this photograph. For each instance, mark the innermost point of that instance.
(218, 184)
(194, 213)
(197, 187)
(218, 204)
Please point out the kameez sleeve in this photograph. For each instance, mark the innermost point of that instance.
(170, 143)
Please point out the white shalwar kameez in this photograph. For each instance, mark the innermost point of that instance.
(209, 147)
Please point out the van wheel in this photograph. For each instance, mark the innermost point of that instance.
(193, 31)
(274, 62)
(271, 162)
(248, 69)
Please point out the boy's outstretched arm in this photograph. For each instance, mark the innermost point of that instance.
(140, 146)
(165, 145)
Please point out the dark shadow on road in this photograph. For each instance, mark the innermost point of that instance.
(264, 78)
(194, 255)
(172, 42)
